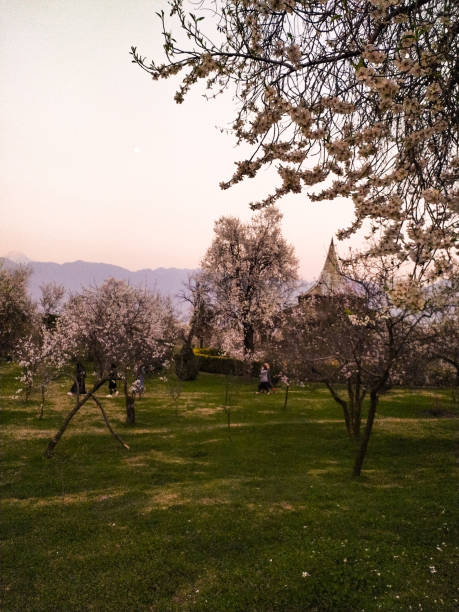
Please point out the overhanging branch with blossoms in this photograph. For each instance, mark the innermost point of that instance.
(347, 98)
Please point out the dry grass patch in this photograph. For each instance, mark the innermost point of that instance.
(201, 411)
(63, 498)
(27, 433)
(322, 471)
(418, 393)
(165, 499)
(183, 496)
(410, 428)
(137, 461)
(168, 458)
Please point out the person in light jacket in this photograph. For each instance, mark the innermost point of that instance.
(265, 384)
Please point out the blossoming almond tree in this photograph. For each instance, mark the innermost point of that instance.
(17, 312)
(348, 98)
(251, 271)
(120, 328)
(361, 339)
(43, 355)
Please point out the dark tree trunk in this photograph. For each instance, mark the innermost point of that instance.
(355, 426)
(286, 397)
(130, 406)
(42, 407)
(344, 406)
(356, 397)
(356, 416)
(366, 436)
(249, 343)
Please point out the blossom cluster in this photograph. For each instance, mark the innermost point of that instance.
(406, 293)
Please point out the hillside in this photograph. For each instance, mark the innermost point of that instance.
(77, 274)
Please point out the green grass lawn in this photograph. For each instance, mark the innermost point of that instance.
(262, 517)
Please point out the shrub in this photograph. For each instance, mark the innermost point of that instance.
(186, 364)
(213, 352)
(211, 361)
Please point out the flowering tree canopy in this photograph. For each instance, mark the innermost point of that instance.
(42, 355)
(350, 98)
(250, 270)
(16, 309)
(117, 323)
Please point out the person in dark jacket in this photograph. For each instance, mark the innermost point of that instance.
(112, 381)
(79, 385)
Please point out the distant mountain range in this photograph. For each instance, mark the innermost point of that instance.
(77, 274)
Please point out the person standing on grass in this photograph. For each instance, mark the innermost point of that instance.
(265, 385)
(140, 381)
(79, 381)
(112, 381)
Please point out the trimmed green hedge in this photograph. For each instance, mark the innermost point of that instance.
(212, 352)
(210, 361)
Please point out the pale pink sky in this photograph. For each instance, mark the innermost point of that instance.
(98, 162)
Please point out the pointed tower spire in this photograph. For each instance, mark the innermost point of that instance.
(330, 280)
(330, 274)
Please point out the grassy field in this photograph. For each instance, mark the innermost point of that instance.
(262, 517)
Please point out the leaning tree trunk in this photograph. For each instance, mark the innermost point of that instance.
(366, 435)
(107, 423)
(344, 406)
(53, 442)
(130, 405)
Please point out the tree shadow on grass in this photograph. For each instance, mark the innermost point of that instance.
(267, 458)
